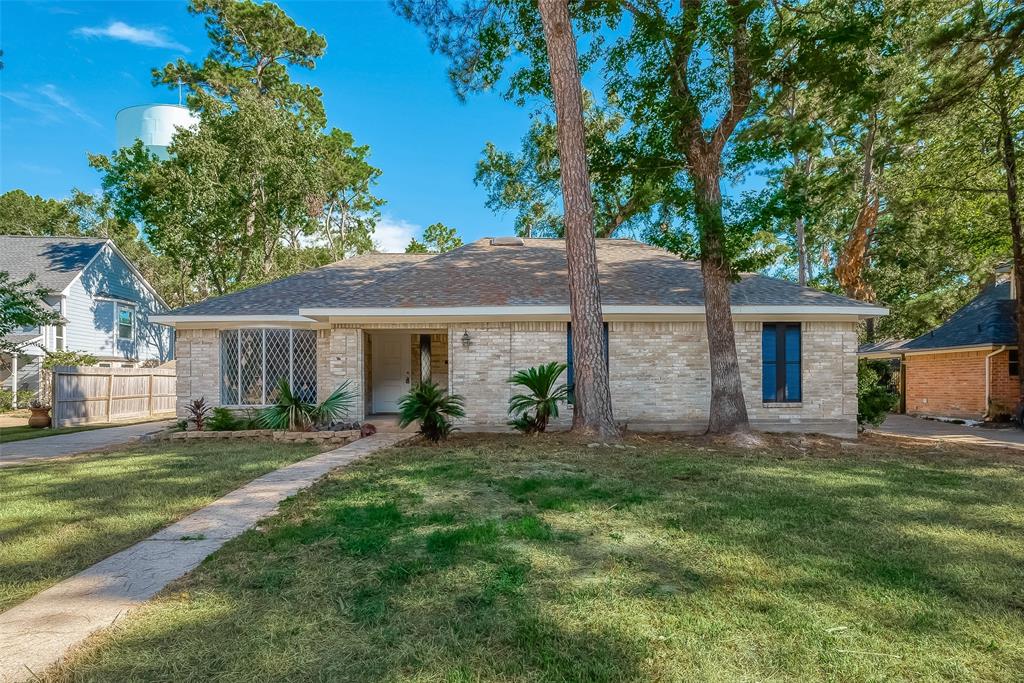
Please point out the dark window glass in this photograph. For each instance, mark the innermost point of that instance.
(780, 362)
(1014, 363)
(570, 381)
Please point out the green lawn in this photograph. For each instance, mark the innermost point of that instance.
(59, 517)
(22, 432)
(519, 559)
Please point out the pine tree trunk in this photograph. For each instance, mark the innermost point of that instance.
(1009, 159)
(728, 407)
(593, 407)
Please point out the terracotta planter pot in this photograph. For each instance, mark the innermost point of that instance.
(40, 417)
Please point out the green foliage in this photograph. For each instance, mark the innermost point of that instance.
(22, 305)
(433, 408)
(55, 358)
(875, 396)
(7, 399)
(531, 412)
(25, 214)
(259, 189)
(438, 238)
(223, 420)
(294, 414)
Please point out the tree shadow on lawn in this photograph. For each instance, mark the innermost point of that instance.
(57, 518)
(459, 564)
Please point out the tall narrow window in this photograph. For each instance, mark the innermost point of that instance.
(780, 362)
(1013, 363)
(125, 322)
(570, 375)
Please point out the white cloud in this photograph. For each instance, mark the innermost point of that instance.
(118, 30)
(48, 103)
(392, 235)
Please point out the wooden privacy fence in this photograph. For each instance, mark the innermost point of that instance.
(88, 395)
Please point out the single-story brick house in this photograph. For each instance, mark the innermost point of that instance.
(966, 368)
(469, 318)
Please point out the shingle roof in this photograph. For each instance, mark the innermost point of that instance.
(285, 296)
(54, 260)
(884, 346)
(988, 319)
(482, 274)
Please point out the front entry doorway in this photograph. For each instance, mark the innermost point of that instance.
(391, 361)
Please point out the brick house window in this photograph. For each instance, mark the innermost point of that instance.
(570, 377)
(780, 362)
(254, 360)
(1013, 362)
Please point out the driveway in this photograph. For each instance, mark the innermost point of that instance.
(46, 447)
(947, 432)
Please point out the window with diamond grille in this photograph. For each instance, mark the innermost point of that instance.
(254, 361)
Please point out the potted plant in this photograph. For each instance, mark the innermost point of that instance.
(40, 414)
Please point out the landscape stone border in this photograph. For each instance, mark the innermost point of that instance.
(333, 438)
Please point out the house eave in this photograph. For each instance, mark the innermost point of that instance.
(610, 312)
(206, 320)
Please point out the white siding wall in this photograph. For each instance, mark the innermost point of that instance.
(92, 325)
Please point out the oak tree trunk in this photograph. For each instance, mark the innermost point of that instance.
(592, 412)
(728, 408)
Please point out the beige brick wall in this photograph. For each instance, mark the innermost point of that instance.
(197, 363)
(658, 370)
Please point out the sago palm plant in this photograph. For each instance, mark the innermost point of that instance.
(292, 413)
(531, 412)
(433, 407)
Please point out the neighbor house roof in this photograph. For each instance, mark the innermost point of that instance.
(988, 320)
(55, 261)
(885, 347)
(486, 274)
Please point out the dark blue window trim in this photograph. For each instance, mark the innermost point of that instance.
(781, 370)
(570, 377)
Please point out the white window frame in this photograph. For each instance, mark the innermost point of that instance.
(60, 341)
(118, 307)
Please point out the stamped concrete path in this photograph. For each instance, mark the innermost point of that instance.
(46, 447)
(38, 632)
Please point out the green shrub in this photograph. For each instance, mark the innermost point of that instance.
(223, 420)
(433, 408)
(292, 413)
(875, 397)
(7, 399)
(55, 358)
(531, 412)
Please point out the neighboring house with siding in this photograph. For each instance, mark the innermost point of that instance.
(966, 368)
(468, 319)
(106, 303)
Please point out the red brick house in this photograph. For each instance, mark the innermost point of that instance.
(966, 368)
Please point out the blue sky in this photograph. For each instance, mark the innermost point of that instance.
(70, 66)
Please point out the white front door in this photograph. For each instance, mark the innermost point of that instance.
(391, 355)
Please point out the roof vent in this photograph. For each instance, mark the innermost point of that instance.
(507, 242)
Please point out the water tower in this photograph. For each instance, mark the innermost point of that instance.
(154, 124)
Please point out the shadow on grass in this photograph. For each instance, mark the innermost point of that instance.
(57, 518)
(544, 564)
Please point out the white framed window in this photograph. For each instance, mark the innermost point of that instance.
(59, 341)
(125, 322)
(253, 361)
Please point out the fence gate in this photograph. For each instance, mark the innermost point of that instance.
(90, 395)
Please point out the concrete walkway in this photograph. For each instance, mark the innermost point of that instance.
(46, 447)
(947, 432)
(39, 631)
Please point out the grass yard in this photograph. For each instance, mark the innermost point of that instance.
(517, 559)
(59, 517)
(23, 432)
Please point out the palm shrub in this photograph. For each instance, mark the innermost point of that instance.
(294, 414)
(433, 407)
(531, 412)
